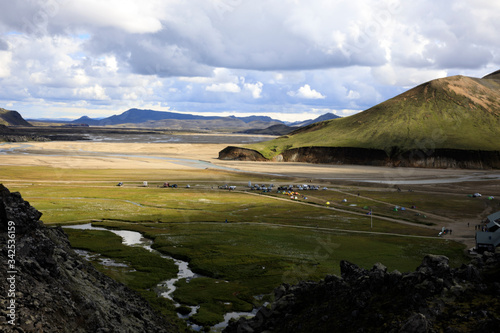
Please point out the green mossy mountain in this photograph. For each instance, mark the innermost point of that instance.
(458, 113)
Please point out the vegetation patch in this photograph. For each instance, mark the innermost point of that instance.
(268, 239)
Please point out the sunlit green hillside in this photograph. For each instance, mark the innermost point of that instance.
(457, 112)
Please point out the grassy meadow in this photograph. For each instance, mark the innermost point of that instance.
(268, 239)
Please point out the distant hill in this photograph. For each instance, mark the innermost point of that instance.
(326, 116)
(12, 118)
(250, 119)
(453, 113)
(280, 129)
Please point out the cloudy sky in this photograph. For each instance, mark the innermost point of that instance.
(290, 59)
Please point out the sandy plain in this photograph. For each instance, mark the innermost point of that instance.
(84, 154)
(175, 156)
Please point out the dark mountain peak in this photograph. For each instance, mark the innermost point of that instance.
(493, 76)
(83, 118)
(12, 118)
(326, 116)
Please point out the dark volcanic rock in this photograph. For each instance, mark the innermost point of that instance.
(434, 298)
(335, 155)
(53, 290)
(419, 158)
(241, 154)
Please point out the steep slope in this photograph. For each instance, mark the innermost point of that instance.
(12, 118)
(451, 114)
(456, 112)
(51, 289)
(493, 76)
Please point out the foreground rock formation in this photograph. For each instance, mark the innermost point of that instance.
(46, 287)
(434, 298)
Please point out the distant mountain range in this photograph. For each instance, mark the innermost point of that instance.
(152, 118)
(140, 118)
(174, 120)
(282, 129)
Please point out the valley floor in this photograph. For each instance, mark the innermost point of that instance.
(98, 155)
(75, 182)
(195, 156)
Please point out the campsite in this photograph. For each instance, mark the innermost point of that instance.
(285, 222)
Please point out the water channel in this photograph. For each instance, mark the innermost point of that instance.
(134, 238)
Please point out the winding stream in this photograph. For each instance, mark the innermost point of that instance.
(134, 238)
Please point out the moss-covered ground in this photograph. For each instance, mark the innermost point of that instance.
(268, 239)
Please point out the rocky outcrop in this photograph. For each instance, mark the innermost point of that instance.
(22, 138)
(335, 155)
(12, 118)
(46, 287)
(392, 157)
(26, 134)
(434, 298)
(448, 158)
(240, 154)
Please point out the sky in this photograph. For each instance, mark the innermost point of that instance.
(289, 59)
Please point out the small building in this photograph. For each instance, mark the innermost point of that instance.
(488, 240)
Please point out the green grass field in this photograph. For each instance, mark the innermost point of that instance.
(269, 239)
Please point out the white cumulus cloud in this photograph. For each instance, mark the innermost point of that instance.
(245, 55)
(5, 61)
(224, 87)
(306, 92)
(95, 92)
(255, 89)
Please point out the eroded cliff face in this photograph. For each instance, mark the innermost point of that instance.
(334, 155)
(46, 287)
(240, 154)
(418, 158)
(434, 298)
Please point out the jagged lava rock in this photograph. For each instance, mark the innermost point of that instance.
(53, 289)
(434, 298)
